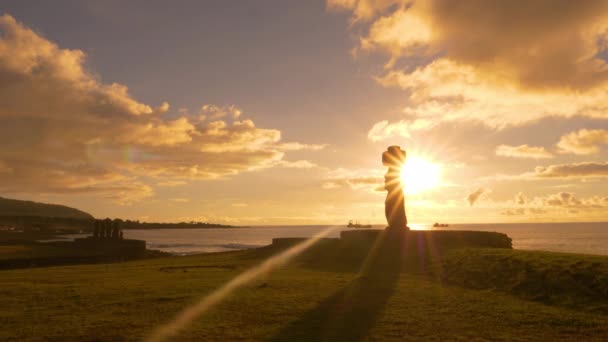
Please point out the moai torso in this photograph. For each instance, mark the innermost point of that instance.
(394, 206)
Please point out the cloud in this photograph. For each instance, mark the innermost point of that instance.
(520, 198)
(561, 203)
(362, 9)
(447, 91)
(64, 131)
(523, 151)
(500, 63)
(524, 211)
(576, 170)
(371, 180)
(295, 146)
(583, 142)
(474, 196)
(538, 44)
(384, 130)
(513, 212)
(299, 164)
(562, 199)
(215, 112)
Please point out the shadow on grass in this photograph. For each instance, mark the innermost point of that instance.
(349, 314)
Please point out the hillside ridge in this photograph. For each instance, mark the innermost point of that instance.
(14, 207)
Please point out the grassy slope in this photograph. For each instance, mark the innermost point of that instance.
(576, 281)
(301, 301)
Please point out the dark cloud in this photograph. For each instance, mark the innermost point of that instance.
(474, 196)
(502, 63)
(578, 170)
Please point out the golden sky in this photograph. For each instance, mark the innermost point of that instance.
(277, 112)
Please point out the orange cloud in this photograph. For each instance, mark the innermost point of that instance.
(576, 170)
(362, 9)
(523, 151)
(299, 164)
(584, 141)
(536, 44)
(371, 180)
(560, 204)
(215, 112)
(521, 199)
(64, 131)
(501, 63)
(384, 130)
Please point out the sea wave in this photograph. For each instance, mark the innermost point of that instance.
(236, 246)
(173, 245)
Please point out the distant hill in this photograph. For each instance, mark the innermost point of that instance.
(13, 207)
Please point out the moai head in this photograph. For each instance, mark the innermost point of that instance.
(393, 157)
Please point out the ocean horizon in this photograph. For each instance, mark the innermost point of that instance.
(571, 237)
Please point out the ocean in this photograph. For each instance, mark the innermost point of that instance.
(585, 238)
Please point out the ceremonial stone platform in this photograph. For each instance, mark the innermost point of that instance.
(110, 249)
(440, 239)
(391, 251)
(125, 247)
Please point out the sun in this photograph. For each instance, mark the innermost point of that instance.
(420, 175)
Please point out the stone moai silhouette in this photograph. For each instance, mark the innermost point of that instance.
(107, 223)
(107, 229)
(96, 229)
(115, 230)
(394, 205)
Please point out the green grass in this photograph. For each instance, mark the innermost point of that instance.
(322, 295)
(577, 281)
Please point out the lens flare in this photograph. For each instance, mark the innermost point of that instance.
(419, 175)
(188, 315)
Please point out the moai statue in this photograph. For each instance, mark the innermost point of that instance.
(96, 229)
(107, 228)
(102, 229)
(394, 205)
(115, 230)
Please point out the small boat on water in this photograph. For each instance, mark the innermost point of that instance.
(356, 224)
(440, 225)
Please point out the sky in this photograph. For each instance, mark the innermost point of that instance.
(277, 111)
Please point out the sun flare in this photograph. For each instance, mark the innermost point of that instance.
(420, 175)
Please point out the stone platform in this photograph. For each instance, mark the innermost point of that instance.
(441, 239)
(125, 248)
(417, 239)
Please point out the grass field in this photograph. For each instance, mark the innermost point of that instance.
(485, 294)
